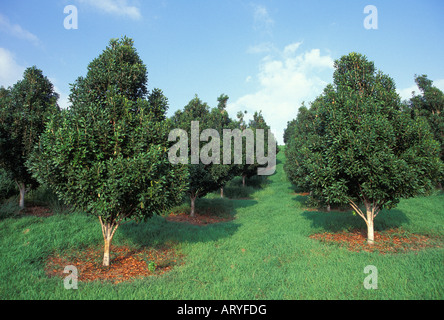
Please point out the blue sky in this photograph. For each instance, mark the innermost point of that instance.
(267, 55)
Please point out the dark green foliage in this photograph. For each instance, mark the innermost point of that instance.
(288, 131)
(220, 120)
(249, 168)
(301, 135)
(258, 122)
(107, 155)
(429, 105)
(204, 178)
(7, 186)
(24, 109)
(359, 146)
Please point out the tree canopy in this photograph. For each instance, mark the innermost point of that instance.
(249, 169)
(429, 104)
(359, 147)
(107, 154)
(24, 109)
(205, 176)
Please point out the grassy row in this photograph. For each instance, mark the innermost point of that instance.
(265, 253)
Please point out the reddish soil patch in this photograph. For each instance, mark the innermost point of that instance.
(390, 241)
(36, 211)
(302, 194)
(198, 219)
(126, 264)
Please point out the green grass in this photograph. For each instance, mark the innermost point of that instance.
(265, 253)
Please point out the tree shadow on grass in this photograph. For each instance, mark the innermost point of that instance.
(337, 221)
(235, 190)
(344, 219)
(147, 248)
(158, 231)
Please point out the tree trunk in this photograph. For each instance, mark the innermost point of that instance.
(243, 181)
(106, 251)
(370, 232)
(370, 223)
(222, 192)
(108, 230)
(22, 189)
(193, 201)
(369, 217)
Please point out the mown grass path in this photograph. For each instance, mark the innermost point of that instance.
(265, 253)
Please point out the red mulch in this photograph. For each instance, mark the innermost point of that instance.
(36, 211)
(389, 241)
(303, 194)
(126, 263)
(198, 219)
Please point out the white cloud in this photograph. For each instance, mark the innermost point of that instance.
(406, 93)
(265, 47)
(439, 83)
(291, 48)
(115, 7)
(262, 19)
(63, 101)
(17, 31)
(10, 70)
(284, 83)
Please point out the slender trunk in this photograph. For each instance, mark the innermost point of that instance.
(243, 181)
(193, 201)
(106, 251)
(328, 208)
(108, 230)
(370, 232)
(369, 217)
(222, 192)
(370, 224)
(22, 189)
(22, 196)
